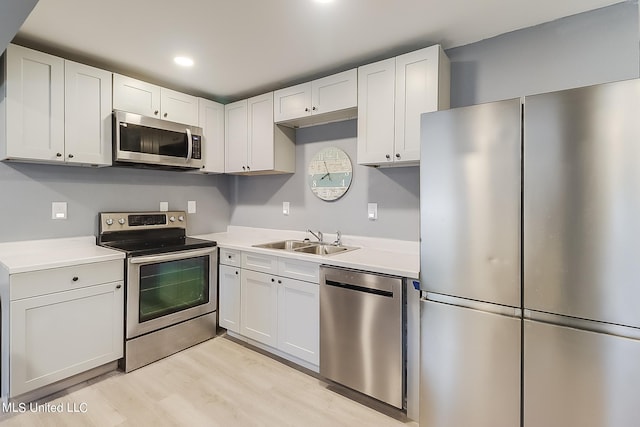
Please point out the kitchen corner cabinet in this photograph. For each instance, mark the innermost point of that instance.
(54, 110)
(211, 120)
(253, 144)
(64, 321)
(324, 100)
(392, 94)
(146, 99)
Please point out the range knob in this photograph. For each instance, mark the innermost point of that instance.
(172, 219)
(109, 221)
(121, 221)
(181, 218)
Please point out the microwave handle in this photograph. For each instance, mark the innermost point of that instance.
(189, 145)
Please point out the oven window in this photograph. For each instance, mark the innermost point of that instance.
(172, 286)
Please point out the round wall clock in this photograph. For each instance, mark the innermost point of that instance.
(330, 173)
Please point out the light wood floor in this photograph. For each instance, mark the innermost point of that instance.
(216, 383)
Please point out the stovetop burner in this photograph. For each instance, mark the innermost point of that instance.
(147, 233)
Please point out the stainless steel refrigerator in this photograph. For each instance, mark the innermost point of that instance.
(540, 195)
(581, 228)
(470, 180)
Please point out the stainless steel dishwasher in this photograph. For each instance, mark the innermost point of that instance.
(362, 332)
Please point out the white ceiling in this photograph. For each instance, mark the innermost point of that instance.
(244, 47)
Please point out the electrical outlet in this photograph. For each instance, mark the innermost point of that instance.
(191, 206)
(59, 210)
(164, 206)
(285, 208)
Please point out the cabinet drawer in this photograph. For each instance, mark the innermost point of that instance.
(42, 282)
(259, 262)
(230, 257)
(296, 269)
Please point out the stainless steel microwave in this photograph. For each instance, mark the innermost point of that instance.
(147, 141)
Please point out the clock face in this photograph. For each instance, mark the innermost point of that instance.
(330, 173)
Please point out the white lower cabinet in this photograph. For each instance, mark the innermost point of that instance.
(298, 319)
(265, 301)
(259, 312)
(64, 322)
(229, 298)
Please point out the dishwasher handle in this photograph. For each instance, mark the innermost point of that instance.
(357, 288)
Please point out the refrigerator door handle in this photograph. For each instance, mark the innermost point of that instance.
(584, 324)
(474, 305)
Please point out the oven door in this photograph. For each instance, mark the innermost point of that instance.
(166, 289)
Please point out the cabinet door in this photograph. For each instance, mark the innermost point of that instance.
(136, 96)
(259, 296)
(229, 298)
(292, 102)
(56, 336)
(235, 138)
(178, 107)
(299, 319)
(335, 92)
(35, 105)
(87, 110)
(261, 142)
(376, 117)
(417, 92)
(212, 124)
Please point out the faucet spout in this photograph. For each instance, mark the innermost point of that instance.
(317, 236)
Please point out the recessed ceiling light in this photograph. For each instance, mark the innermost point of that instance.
(183, 61)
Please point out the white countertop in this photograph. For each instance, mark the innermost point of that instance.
(386, 256)
(30, 255)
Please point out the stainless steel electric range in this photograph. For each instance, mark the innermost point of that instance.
(171, 283)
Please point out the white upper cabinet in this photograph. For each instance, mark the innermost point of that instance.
(136, 96)
(55, 111)
(212, 123)
(178, 107)
(236, 135)
(253, 143)
(392, 94)
(87, 108)
(328, 99)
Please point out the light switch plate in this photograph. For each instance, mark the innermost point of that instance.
(285, 208)
(372, 211)
(191, 206)
(164, 206)
(59, 210)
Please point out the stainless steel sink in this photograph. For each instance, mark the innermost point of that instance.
(302, 246)
(287, 245)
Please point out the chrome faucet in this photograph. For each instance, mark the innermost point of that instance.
(317, 236)
(338, 241)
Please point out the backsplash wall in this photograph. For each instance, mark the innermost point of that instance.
(27, 191)
(257, 200)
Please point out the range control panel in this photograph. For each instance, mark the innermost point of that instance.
(122, 221)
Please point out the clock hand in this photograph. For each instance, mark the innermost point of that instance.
(325, 175)
(327, 168)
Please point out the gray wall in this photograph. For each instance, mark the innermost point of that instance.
(27, 190)
(593, 47)
(257, 200)
(590, 48)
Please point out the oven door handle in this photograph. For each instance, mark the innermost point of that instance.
(171, 256)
